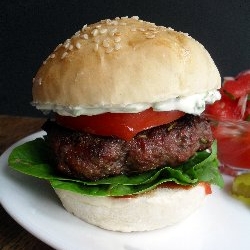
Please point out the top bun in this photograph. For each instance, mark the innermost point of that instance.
(115, 63)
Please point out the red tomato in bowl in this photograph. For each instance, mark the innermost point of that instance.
(231, 126)
(233, 104)
(224, 109)
(238, 87)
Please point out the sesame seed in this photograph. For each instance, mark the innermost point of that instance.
(96, 47)
(115, 22)
(149, 23)
(85, 36)
(96, 39)
(135, 17)
(71, 47)
(109, 50)
(58, 46)
(64, 55)
(44, 62)
(98, 26)
(105, 43)
(155, 32)
(117, 39)
(52, 56)
(77, 33)
(117, 18)
(84, 27)
(103, 31)
(162, 28)
(117, 33)
(78, 45)
(123, 24)
(141, 29)
(66, 45)
(66, 42)
(150, 36)
(94, 32)
(39, 81)
(133, 29)
(117, 46)
(124, 17)
(108, 22)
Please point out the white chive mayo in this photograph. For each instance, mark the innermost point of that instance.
(193, 104)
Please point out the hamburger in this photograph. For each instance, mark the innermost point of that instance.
(127, 130)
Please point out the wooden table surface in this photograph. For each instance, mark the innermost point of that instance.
(12, 235)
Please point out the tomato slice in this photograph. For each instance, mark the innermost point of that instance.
(122, 125)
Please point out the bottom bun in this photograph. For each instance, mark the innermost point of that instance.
(153, 210)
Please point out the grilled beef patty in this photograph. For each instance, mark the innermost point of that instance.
(91, 157)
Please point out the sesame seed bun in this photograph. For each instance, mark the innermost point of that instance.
(153, 210)
(115, 63)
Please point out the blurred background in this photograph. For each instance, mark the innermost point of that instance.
(30, 30)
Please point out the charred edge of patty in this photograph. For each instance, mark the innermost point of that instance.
(91, 157)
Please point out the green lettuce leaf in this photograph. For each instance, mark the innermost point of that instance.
(33, 158)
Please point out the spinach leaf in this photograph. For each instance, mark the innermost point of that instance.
(33, 158)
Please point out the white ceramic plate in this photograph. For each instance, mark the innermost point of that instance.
(221, 223)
